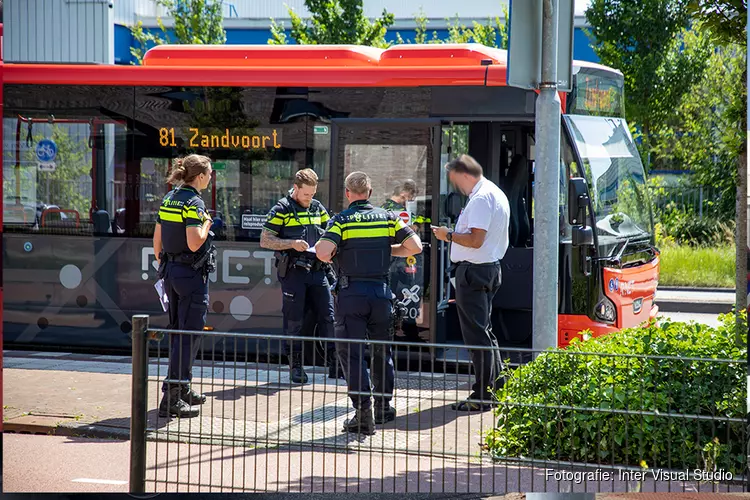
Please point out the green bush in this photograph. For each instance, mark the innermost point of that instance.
(570, 405)
(686, 228)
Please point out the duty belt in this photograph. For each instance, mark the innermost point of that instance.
(345, 280)
(182, 258)
(307, 263)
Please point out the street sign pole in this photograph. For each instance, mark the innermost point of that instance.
(547, 186)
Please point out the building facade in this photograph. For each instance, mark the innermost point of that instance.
(99, 30)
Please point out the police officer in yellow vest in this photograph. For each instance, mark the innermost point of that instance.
(292, 227)
(185, 254)
(363, 239)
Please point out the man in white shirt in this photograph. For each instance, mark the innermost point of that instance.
(478, 244)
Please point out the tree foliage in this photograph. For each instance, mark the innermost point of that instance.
(646, 41)
(195, 22)
(494, 33)
(334, 22)
(726, 20)
(701, 133)
(68, 186)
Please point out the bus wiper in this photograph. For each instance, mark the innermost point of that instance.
(616, 259)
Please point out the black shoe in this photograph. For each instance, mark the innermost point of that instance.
(474, 402)
(298, 374)
(191, 397)
(172, 405)
(384, 414)
(362, 423)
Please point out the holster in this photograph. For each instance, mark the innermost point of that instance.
(397, 318)
(330, 275)
(283, 261)
(343, 283)
(162, 266)
(207, 260)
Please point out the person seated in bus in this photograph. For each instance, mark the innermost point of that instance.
(402, 193)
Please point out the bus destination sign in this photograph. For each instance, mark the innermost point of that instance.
(220, 139)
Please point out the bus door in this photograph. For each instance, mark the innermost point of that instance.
(505, 151)
(401, 157)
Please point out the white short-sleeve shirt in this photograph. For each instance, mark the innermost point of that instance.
(487, 209)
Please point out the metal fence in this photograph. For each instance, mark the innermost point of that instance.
(698, 200)
(258, 432)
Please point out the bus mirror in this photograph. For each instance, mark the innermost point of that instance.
(578, 201)
(453, 206)
(583, 236)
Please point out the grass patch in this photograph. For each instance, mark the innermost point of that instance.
(697, 266)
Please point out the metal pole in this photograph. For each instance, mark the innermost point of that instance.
(747, 228)
(741, 238)
(138, 407)
(547, 187)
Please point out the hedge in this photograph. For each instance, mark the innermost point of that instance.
(570, 405)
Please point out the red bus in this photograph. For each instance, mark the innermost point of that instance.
(88, 149)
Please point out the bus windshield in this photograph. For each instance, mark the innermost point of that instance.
(613, 169)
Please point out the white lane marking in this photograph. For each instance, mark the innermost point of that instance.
(98, 481)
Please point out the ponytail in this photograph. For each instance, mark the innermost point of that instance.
(188, 169)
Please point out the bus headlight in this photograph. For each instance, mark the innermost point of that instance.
(605, 311)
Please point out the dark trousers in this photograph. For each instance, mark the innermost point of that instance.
(363, 310)
(476, 285)
(301, 289)
(187, 291)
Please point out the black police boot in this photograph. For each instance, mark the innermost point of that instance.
(362, 422)
(334, 367)
(173, 405)
(384, 413)
(298, 373)
(191, 397)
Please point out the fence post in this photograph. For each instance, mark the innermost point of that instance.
(138, 407)
(700, 193)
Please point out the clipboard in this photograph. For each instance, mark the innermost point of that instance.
(159, 286)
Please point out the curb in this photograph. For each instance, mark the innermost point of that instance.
(696, 289)
(694, 307)
(72, 429)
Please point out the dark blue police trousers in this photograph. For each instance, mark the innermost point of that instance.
(188, 306)
(299, 288)
(363, 311)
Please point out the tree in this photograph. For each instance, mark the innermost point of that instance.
(195, 22)
(334, 22)
(492, 34)
(699, 135)
(726, 21)
(645, 41)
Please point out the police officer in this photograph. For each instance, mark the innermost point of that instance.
(293, 226)
(364, 238)
(184, 250)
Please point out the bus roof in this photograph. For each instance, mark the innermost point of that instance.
(409, 65)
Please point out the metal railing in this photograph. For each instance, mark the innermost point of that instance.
(258, 432)
(697, 200)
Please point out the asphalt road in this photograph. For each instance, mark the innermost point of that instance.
(34, 463)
